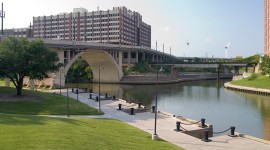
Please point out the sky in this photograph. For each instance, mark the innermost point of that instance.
(207, 25)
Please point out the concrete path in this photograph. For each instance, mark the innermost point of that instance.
(165, 126)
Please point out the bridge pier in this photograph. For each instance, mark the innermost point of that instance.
(226, 69)
(32, 85)
(236, 70)
(137, 57)
(129, 58)
(60, 77)
(143, 56)
(218, 73)
(120, 59)
(174, 72)
(7, 82)
(153, 58)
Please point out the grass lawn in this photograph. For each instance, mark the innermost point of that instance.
(37, 132)
(39, 103)
(260, 82)
(2, 83)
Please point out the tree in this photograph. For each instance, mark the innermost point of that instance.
(80, 71)
(265, 65)
(141, 67)
(196, 59)
(20, 57)
(251, 59)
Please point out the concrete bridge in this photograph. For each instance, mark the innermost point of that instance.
(236, 66)
(207, 64)
(106, 58)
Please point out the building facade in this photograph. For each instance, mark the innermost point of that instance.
(116, 26)
(17, 32)
(267, 27)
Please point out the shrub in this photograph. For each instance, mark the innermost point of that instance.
(252, 77)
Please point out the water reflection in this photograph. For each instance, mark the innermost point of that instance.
(262, 103)
(205, 99)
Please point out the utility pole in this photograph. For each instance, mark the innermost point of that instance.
(2, 15)
(156, 45)
(30, 30)
(163, 47)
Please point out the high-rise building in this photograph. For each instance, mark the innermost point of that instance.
(116, 26)
(267, 27)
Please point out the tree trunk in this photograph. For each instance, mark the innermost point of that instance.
(19, 87)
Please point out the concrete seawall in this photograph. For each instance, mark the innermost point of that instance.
(252, 90)
(166, 79)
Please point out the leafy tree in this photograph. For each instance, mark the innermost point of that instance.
(141, 67)
(265, 65)
(251, 59)
(20, 57)
(196, 59)
(80, 72)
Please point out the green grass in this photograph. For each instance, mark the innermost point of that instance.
(260, 82)
(42, 104)
(35, 132)
(2, 83)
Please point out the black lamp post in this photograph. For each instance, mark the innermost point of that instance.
(67, 97)
(155, 136)
(99, 68)
(61, 71)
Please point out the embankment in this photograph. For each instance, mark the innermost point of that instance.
(167, 79)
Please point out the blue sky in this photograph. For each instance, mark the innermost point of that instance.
(208, 25)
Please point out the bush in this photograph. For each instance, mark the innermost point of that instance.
(141, 67)
(252, 77)
(125, 69)
(265, 65)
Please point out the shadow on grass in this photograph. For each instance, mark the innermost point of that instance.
(34, 102)
(24, 120)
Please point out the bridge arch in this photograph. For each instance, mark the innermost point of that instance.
(110, 72)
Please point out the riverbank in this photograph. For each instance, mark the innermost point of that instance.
(246, 89)
(144, 79)
(166, 126)
(256, 84)
(255, 81)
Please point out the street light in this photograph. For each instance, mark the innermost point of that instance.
(155, 136)
(226, 50)
(67, 97)
(187, 47)
(99, 68)
(61, 71)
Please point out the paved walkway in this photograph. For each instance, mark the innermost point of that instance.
(165, 126)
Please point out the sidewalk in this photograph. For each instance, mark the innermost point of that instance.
(165, 126)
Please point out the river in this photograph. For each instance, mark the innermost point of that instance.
(222, 108)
